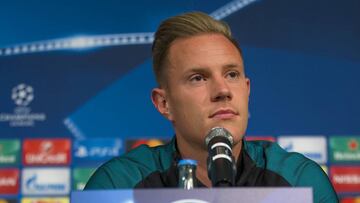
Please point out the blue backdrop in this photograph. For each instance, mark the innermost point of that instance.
(83, 69)
(302, 58)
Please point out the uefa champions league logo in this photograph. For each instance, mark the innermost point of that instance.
(22, 115)
(22, 94)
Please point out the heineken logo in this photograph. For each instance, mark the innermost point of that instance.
(81, 176)
(353, 145)
(347, 156)
(9, 151)
(345, 148)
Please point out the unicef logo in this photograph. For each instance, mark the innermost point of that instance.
(22, 94)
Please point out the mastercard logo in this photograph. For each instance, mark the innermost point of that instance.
(149, 142)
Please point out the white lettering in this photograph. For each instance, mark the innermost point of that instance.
(104, 151)
(347, 156)
(18, 117)
(60, 158)
(347, 179)
(7, 182)
(7, 159)
(33, 185)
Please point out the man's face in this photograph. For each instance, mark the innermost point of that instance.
(206, 87)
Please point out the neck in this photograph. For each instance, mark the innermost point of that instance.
(200, 154)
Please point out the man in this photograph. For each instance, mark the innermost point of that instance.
(202, 84)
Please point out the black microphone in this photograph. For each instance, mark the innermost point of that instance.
(220, 162)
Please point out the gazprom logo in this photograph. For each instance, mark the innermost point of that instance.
(33, 184)
(46, 181)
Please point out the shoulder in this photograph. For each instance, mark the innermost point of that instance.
(127, 170)
(294, 167)
(273, 157)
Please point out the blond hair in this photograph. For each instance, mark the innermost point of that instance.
(183, 26)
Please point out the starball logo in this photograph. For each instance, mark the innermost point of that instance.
(22, 95)
(46, 151)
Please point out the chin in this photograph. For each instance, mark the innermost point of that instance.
(236, 133)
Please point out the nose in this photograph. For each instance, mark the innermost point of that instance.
(220, 90)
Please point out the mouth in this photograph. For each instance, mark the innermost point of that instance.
(224, 114)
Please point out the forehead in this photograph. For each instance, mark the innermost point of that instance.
(202, 51)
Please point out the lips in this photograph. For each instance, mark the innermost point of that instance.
(224, 114)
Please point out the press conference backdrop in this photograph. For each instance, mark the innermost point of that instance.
(75, 82)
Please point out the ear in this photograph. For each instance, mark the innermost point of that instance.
(248, 85)
(158, 98)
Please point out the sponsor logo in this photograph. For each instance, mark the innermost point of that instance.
(346, 179)
(8, 200)
(259, 138)
(97, 149)
(151, 142)
(46, 151)
(350, 200)
(9, 181)
(81, 176)
(45, 181)
(22, 95)
(313, 147)
(46, 200)
(9, 152)
(344, 149)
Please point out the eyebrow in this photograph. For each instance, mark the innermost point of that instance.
(232, 65)
(197, 70)
(205, 70)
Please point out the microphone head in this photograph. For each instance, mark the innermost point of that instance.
(218, 131)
